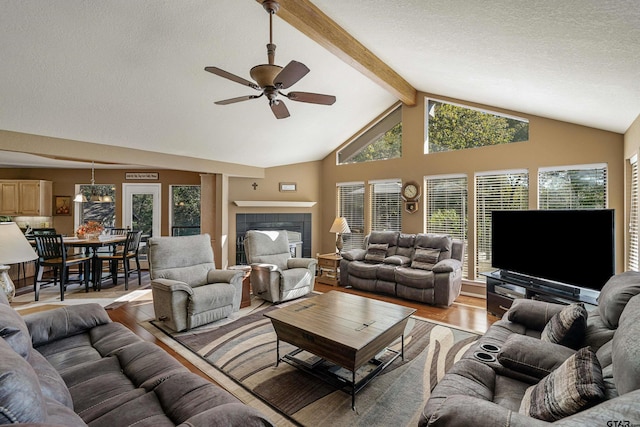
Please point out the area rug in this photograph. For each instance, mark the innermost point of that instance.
(243, 349)
(109, 296)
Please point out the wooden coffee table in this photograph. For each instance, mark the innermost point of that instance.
(344, 329)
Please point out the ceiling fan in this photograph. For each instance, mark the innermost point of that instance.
(271, 78)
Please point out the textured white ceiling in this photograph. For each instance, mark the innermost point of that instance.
(130, 72)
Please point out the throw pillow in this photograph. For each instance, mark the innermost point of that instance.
(376, 252)
(567, 327)
(576, 385)
(425, 258)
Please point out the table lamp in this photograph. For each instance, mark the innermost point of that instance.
(14, 249)
(339, 227)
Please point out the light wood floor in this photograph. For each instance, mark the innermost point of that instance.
(466, 312)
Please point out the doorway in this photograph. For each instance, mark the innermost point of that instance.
(141, 211)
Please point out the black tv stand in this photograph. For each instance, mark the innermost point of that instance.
(503, 287)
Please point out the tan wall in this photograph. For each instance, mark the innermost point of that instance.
(64, 181)
(307, 177)
(631, 148)
(632, 139)
(551, 143)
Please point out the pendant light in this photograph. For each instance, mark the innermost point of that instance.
(95, 197)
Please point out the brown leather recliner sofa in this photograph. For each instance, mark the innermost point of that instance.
(421, 267)
(590, 377)
(73, 366)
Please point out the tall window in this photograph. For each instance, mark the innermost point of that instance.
(185, 210)
(505, 190)
(351, 206)
(386, 205)
(455, 127)
(446, 211)
(632, 259)
(380, 142)
(95, 209)
(573, 187)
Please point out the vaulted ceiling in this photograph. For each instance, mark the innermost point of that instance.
(130, 73)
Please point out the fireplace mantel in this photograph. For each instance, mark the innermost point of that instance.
(272, 204)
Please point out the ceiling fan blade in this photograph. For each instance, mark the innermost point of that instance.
(227, 75)
(290, 74)
(238, 99)
(279, 109)
(313, 98)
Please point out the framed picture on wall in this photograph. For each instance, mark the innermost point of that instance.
(62, 205)
(288, 186)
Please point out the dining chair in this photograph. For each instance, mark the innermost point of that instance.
(53, 253)
(113, 231)
(129, 252)
(34, 232)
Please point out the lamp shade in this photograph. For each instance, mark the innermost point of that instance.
(14, 247)
(340, 226)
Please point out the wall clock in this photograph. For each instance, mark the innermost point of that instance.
(410, 194)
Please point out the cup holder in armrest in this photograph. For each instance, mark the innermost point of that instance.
(490, 348)
(484, 357)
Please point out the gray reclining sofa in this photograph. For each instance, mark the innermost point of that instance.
(420, 267)
(72, 366)
(565, 371)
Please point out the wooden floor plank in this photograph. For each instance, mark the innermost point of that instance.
(467, 313)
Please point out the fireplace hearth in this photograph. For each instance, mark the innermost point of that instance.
(297, 223)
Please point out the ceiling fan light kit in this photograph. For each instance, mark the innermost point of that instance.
(271, 78)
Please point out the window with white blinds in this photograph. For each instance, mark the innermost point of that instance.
(386, 205)
(506, 190)
(573, 187)
(632, 260)
(446, 210)
(351, 207)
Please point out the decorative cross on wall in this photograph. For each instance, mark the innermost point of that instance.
(255, 185)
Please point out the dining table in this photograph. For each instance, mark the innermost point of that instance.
(93, 244)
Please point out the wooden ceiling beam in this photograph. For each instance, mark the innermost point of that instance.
(311, 21)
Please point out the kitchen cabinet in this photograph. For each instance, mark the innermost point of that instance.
(9, 198)
(26, 197)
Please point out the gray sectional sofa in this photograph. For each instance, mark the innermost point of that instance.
(419, 267)
(588, 375)
(72, 366)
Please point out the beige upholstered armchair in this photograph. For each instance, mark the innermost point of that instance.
(275, 275)
(187, 289)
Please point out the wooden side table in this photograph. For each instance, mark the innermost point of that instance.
(328, 265)
(246, 284)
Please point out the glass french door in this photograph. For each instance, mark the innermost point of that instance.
(141, 211)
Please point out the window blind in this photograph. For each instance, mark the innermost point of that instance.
(576, 187)
(632, 261)
(386, 205)
(351, 207)
(446, 210)
(496, 191)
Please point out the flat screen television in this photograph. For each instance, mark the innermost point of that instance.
(573, 247)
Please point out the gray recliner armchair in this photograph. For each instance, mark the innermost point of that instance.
(187, 289)
(275, 275)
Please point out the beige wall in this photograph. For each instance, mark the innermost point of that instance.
(308, 178)
(631, 148)
(551, 143)
(64, 181)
